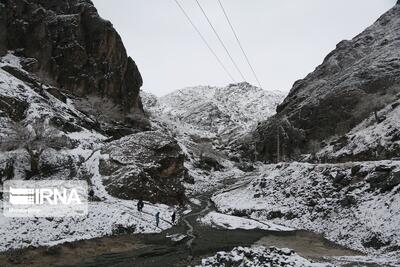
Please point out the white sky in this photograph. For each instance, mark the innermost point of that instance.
(284, 39)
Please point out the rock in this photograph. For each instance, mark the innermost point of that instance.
(341, 179)
(209, 163)
(69, 44)
(275, 214)
(374, 241)
(348, 201)
(383, 168)
(393, 181)
(355, 169)
(384, 180)
(145, 165)
(246, 167)
(3, 30)
(258, 256)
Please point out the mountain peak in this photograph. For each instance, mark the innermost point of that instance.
(241, 85)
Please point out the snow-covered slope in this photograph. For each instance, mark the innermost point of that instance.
(354, 204)
(80, 154)
(361, 76)
(371, 139)
(219, 111)
(206, 120)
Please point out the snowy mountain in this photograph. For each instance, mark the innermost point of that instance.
(70, 109)
(220, 110)
(205, 120)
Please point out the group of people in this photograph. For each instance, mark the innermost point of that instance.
(140, 205)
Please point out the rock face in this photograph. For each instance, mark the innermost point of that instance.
(146, 165)
(358, 78)
(67, 44)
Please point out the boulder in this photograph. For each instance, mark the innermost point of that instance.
(145, 165)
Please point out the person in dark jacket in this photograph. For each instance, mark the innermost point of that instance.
(140, 205)
(157, 218)
(173, 217)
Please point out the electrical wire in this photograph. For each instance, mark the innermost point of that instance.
(204, 40)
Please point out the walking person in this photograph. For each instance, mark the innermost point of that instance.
(140, 205)
(173, 217)
(157, 218)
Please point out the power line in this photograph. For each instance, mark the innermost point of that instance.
(240, 44)
(204, 40)
(220, 40)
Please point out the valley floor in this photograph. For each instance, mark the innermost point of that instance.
(252, 211)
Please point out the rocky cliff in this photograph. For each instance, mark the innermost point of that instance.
(70, 109)
(67, 44)
(357, 81)
(67, 90)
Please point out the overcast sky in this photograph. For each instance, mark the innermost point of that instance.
(284, 39)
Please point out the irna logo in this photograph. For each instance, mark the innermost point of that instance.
(53, 198)
(39, 196)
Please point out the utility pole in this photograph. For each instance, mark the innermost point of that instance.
(278, 147)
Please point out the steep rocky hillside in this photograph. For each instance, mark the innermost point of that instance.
(358, 80)
(67, 44)
(68, 94)
(207, 120)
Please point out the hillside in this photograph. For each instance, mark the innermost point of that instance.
(68, 94)
(356, 81)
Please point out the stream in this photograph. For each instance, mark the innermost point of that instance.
(202, 241)
(197, 241)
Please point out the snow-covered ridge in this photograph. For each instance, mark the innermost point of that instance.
(218, 110)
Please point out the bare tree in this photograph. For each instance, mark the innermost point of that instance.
(34, 138)
(99, 109)
(314, 146)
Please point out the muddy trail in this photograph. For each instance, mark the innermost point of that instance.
(193, 241)
(184, 244)
(201, 241)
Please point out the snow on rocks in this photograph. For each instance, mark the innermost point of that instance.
(230, 222)
(25, 99)
(177, 237)
(147, 165)
(370, 139)
(218, 110)
(352, 204)
(258, 257)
